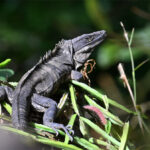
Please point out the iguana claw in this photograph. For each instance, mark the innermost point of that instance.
(67, 129)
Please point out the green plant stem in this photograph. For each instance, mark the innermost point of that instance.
(133, 74)
(132, 65)
(134, 80)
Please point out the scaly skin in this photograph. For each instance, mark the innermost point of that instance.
(40, 82)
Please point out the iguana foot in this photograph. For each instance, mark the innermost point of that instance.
(76, 75)
(56, 126)
(49, 107)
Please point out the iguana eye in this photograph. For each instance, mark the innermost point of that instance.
(89, 39)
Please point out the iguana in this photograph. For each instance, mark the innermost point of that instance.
(43, 80)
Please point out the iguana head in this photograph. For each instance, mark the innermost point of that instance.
(83, 46)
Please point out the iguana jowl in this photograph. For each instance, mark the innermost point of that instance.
(40, 82)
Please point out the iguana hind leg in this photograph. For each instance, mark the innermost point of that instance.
(41, 103)
(49, 107)
(6, 93)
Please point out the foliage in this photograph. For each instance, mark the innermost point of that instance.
(5, 73)
(81, 142)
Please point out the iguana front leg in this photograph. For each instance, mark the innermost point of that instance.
(49, 107)
(76, 75)
(6, 93)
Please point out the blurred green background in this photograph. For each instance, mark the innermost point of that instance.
(29, 28)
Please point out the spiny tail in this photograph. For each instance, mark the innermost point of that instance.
(21, 97)
(20, 108)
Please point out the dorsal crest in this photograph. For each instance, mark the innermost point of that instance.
(46, 57)
(51, 53)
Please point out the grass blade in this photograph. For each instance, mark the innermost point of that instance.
(5, 62)
(124, 136)
(71, 122)
(83, 128)
(131, 37)
(104, 111)
(100, 131)
(100, 96)
(86, 144)
(7, 107)
(45, 128)
(43, 140)
(141, 64)
(73, 100)
(103, 143)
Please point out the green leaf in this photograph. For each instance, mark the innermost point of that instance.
(5, 62)
(141, 64)
(124, 136)
(73, 100)
(71, 122)
(6, 118)
(100, 131)
(104, 111)
(131, 37)
(83, 128)
(86, 144)
(103, 143)
(45, 128)
(63, 100)
(100, 96)
(6, 73)
(62, 103)
(14, 84)
(7, 107)
(43, 140)
(108, 126)
(2, 78)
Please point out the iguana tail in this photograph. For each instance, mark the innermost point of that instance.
(21, 99)
(20, 107)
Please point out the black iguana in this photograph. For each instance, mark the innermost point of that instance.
(40, 82)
